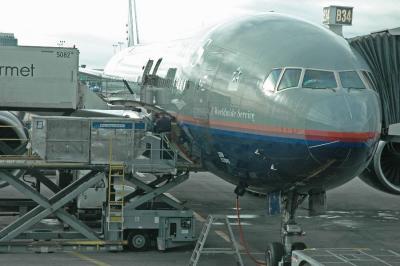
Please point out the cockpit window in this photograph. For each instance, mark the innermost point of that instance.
(271, 80)
(369, 79)
(290, 79)
(351, 80)
(318, 79)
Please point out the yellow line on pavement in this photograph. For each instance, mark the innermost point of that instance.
(89, 259)
(225, 237)
(199, 217)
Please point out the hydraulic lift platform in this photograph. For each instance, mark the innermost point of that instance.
(111, 152)
(46, 207)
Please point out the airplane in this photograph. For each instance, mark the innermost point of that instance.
(268, 102)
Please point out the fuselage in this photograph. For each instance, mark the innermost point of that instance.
(270, 100)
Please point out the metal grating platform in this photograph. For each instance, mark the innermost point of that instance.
(56, 246)
(345, 256)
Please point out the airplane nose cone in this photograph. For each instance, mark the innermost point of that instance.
(342, 129)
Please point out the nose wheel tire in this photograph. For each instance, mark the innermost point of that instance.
(138, 240)
(274, 254)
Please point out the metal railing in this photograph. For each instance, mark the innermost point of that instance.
(161, 158)
(111, 87)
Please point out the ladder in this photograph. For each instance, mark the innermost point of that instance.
(115, 212)
(200, 249)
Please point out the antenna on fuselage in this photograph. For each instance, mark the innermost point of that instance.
(133, 31)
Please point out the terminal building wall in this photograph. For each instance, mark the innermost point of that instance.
(8, 39)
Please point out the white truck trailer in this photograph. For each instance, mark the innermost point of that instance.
(39, 78)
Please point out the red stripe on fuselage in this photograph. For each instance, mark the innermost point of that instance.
(307, 134)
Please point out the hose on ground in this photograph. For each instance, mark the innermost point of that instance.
(242, 240)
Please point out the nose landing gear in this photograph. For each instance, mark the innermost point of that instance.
(290, 232)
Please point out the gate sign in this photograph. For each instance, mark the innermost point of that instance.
(338, 15)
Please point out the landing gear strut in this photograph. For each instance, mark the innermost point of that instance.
(290, 232)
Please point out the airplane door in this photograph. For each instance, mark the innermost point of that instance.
(201, 106)
(200, 109)
(201, 96)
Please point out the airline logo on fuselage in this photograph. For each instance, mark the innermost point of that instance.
(17, 71)
(235, 113)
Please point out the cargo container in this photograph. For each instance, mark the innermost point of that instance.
(38, 78)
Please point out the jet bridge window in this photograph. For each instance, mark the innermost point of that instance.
(290, 79)
(351, 80)
(319, 79)
(271, 80)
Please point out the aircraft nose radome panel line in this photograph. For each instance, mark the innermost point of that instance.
(313, 126)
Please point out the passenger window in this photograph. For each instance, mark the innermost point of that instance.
(351, 80)
(317, 79)
(271, 80)
(290, 79)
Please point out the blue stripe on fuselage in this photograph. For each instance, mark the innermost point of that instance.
(266, 138)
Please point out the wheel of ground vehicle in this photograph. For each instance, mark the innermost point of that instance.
(138, 240)
(274, 254)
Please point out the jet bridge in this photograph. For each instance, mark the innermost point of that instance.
(111, 152)
(381, 51)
